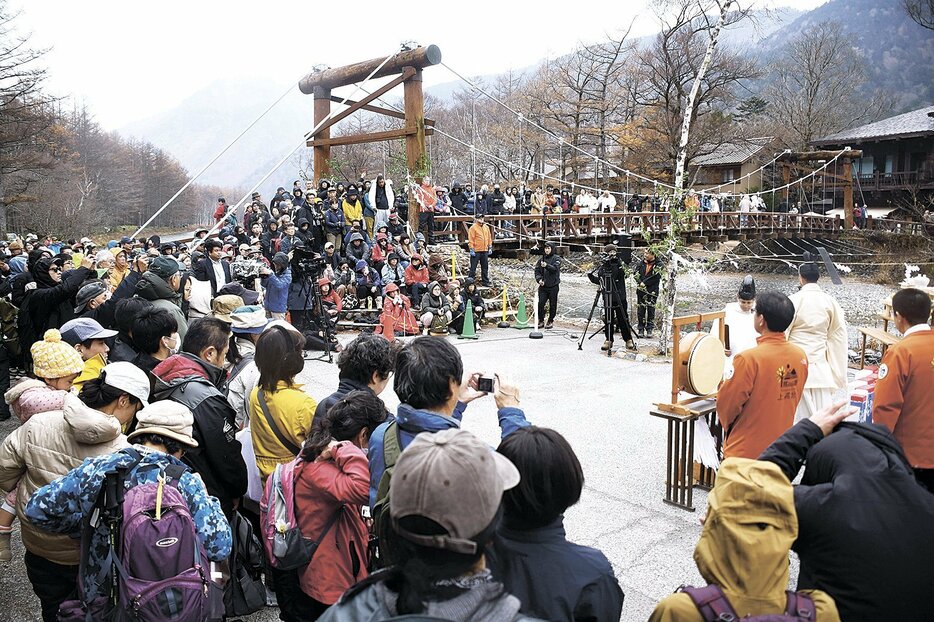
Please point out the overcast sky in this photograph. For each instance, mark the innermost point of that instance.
(128, 60)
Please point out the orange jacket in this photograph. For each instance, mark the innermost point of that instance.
(480, 238)
(903, 398)
(759, 398)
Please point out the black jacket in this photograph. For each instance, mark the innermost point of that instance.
(203, 270)
(548, 269)
(555, 579)
(188, 380)
(865, 526)
(47, 306)
(648, 282)
(458, 201)
(104, 314)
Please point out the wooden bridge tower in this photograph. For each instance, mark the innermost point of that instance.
(407, 66)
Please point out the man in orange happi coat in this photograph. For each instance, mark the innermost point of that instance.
(757, 400)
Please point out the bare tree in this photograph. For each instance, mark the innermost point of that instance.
(818, 87)
(921, 11)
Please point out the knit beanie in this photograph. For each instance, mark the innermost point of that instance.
(53, 358)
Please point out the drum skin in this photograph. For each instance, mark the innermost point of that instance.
(701, 360)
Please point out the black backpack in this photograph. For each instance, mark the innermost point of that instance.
(245, 593)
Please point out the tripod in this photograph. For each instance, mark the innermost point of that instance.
(310, 285)
(611, 304)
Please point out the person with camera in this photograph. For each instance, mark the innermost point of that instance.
(610, 275)
(548, 277)
(277, 282)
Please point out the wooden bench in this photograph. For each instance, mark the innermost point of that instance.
(884, 338)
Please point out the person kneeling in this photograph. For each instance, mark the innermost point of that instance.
(397, 313)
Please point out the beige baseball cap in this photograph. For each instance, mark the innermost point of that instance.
(454, 479)
(166, 418)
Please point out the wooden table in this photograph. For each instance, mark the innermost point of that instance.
(884, 338)
(679, 467)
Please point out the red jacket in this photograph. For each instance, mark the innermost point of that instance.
(320, 489)
(416, 276)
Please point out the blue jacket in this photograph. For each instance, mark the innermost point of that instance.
(411, 422)
(368, 209)
(277, 291)
(62, 506)
(334, 221)
(555, 579)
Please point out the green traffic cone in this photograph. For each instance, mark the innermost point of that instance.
(522, 318)
(468, 331)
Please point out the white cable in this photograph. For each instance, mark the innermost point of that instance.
(213, 160)
(312, 132)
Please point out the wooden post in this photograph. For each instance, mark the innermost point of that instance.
(415, 143)
(322, 153)
(847, 193)
(786, 179)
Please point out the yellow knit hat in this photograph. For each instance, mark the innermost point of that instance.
(53, 358)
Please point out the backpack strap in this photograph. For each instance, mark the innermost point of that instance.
(711, 603)
(392, 444)
(800, 606)
(239, 367)
(292, 447)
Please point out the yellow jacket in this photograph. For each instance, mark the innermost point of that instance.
(293, 411)
(92, 369)
(117, 275)
(352, 211)
(750, 527)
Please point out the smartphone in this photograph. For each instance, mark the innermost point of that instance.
(485, 385)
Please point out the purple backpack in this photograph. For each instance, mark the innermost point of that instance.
(163, 567)
(713, 605)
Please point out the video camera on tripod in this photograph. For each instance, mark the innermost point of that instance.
(306, 263)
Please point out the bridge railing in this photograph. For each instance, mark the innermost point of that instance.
(608, 224)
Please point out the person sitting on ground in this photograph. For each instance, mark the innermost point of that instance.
(859, 509)
(397, 313)
(330, 486)
(438, 270)
(48, 446)
(757, 402)
(444, 510)
(380, 252)
(555, 579)
(55, 365)
(281, 413)
(416, 278)
(330, 301)
(155, 335)
(393, 272)
(369, 285)
(195, 378)
(750, 526)
(356, 250)
(161, 438)
(458, 309)
(246, 325)
(470, 296)
(436, 310)
(365, 363)
(344, 279)
(88, 338)
(160, 285)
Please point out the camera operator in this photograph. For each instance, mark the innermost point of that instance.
(610, 275)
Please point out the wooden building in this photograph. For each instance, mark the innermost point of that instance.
(727, 165)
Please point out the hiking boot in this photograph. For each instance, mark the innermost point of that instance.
(6, 552)
(631, 345)
(549, 326)
(650, 334)
(640, 333)
(606, 345)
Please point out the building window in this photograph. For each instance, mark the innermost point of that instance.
(726, 176)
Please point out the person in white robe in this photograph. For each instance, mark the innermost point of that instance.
(819, 328)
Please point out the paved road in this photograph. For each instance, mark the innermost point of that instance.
(600, 404)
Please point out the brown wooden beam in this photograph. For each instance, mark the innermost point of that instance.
(373, 137)
(408, 73)
(419, 58)
(322, 153)
(415, 156)
(378, 109)
(792, 156)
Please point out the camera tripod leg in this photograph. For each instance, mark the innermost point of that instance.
(596, 298)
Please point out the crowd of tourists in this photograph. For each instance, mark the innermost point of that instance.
(169, 465)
